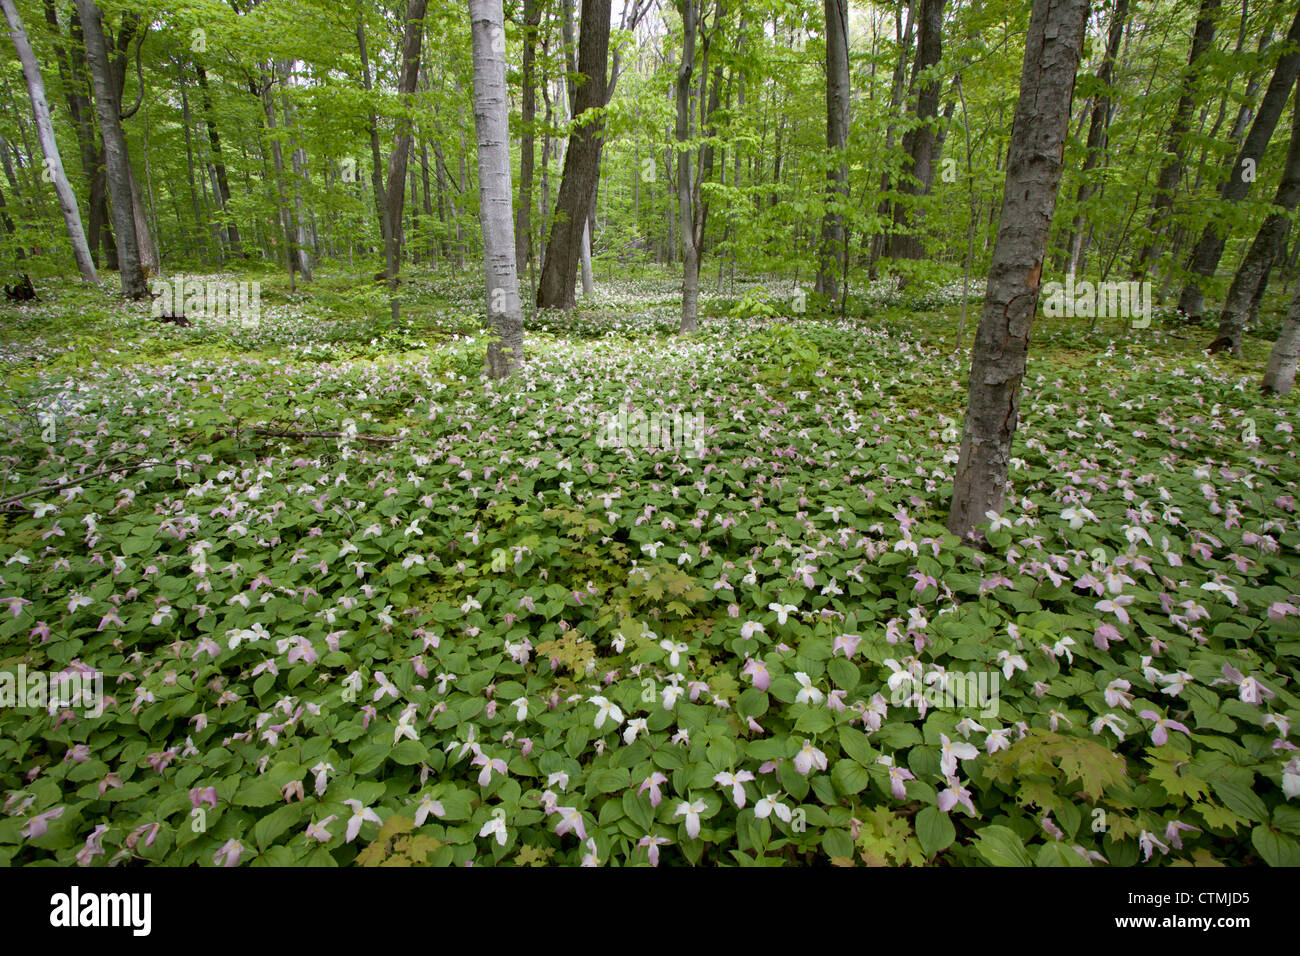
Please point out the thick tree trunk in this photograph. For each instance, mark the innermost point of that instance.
(1171, 173)
(49, 145)
(1209, 249)
(491, 122)
(833, 248)
(1052, 50)
(117, 160)
(76, 91)
(581, 162)
(1248, 283)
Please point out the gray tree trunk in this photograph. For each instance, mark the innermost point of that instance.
(834, 251)
(1098, 127)
(1209, 249)
(689, 11)
(491, 122)
(1252, 274)
(49, 145)
(1034, 163)
(919, 141)
(1162, 204)
(395, 193)
(116, 158)
(1280, 374)
(376, 157)
(527, 138)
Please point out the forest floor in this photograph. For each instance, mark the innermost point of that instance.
(471, 619)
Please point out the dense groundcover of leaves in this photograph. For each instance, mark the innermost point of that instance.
(508, 643)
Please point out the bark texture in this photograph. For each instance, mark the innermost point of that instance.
(1034, 163)
(491, 122)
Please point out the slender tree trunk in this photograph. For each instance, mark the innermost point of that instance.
(1162, 203)
(287, 229)
(690, 13)
(49, 145)
(1034, 165)
(491, 122)
(1248, 283)
(1098, 128)
(219, 166)
(117, 159)
(528, 113)
(1209, 249)
(897, 90)
(919, 141)
(833, 248)
(395, 191)
(376, 158)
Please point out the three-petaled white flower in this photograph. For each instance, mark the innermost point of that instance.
(360, 814)
(691, 811)
(605, 711)
(782, 611)
(808, 693)
(736, 782)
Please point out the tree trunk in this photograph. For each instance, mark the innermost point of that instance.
(1034, 164)
(919, 141)
(491, 122)
(898, 88)
(528, 108)
(581, 163)
(1098, 129)
(49, 145)
(1248, 283)
(1280, 374)
(117, 160)
(376, 158)
(395, 191)
(219, 166)
(833, 248)
(1209, 249)
(1171, 173)
(690, 13)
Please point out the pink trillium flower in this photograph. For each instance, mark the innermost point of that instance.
(848, 643)
(756, 671)
(652, 845)
(570, 821)
(39, 824)
(809, 757)
(318, 831)
(954, 795)
(653, 783)
(229, 854)
(1159, 734)
(1173, 832)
